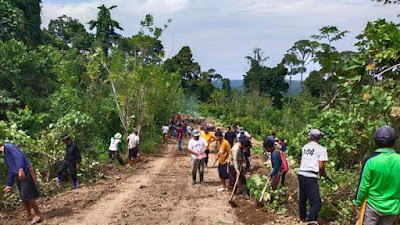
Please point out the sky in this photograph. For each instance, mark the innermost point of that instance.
(221, 33)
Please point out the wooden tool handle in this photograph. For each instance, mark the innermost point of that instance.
(234, 187)
(362, 212)
(263, 191)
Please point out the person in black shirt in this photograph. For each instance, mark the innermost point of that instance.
(71, 160)
(230, 136)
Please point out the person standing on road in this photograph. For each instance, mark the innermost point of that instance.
(313, 161)
(71, 160)
(189, 130)
(28, 186)
(230, 136)
(115, 146)
(209, 137)
(379, 183)
(222, 156)
(179, 133)
(197, 146)
(236, 160)
(276, 162)
(165, 130)
(133, 142)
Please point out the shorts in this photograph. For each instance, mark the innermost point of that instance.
(132, 153)
(27, 189)
(222, 171)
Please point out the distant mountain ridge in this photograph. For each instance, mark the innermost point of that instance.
(238, 84)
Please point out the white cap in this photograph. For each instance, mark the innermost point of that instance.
(315, 133)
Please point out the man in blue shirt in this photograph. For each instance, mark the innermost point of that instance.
(269, 146)
(18, 164)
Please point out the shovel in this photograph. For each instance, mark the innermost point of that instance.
(231, 202)
(260, 203)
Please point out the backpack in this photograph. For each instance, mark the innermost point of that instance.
(284, 163)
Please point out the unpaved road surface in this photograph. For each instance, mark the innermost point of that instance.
(160, 192)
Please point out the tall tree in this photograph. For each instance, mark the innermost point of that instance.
(255, 73)
(12, 21)
(105, 28)
(303, 50)
(291, 62)
(226, 85)
(69, 32)
(31, 34)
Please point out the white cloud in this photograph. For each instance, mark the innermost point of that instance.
(222, 32)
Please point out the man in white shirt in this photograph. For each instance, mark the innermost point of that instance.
(165, 130)
(197, 146)
(189, 130)
(115, 145)
(133, 147)
(313, 161)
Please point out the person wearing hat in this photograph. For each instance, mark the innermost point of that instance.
(28, 186)
(379, 183)
(236, 160)
(313, 160)
(133, 142)
(71, 160)
(197, 146)
(115, 144)
(222, 156)
(210, 138)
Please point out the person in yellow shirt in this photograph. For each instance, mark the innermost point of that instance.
(222, 156)
(210, 138)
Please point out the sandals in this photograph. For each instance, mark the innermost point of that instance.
(36, 219)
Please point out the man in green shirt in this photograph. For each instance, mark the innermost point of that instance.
(380, 181)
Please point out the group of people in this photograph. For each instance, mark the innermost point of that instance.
(378, 192)
(115, 146)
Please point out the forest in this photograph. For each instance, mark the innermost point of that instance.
(92, 83)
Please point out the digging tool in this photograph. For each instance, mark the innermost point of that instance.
(329, 179)
(215, 162)
(362, 212)
(263, 193)
(231, 202)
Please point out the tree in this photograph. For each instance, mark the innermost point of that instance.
(303, 50)
(69, 32)
(31, 33)
(105, 28)
(12, 21)
(226, 85)
(255, 73)
(314, 83)
(291, 62)
(327, 55)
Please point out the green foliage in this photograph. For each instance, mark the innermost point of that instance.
(11, 22)
(31, 33)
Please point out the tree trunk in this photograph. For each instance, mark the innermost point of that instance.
(290, 86)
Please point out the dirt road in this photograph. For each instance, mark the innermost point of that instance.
(160, 192)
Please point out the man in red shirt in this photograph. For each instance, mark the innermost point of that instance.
(179, 132)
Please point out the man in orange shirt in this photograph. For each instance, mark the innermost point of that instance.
(223, 154)
(209, 137)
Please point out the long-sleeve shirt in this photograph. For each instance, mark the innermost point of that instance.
(236, 157)
(15, 159)
(380, 182)
(72, 153)
(276, 163)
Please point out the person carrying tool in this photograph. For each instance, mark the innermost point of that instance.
(313, 161)
(197, 146)
(276, 162)
(230, 136)
(209, 137)
(133, 142)
(222, 156)
(379, 183)
(71, 160)
(115, 145)
(236, 160)
(28, 186)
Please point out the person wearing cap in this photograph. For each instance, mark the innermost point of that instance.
(230, 136)
(236, 160)
(197, 146)
(210, 138)
(313, 160)
(115, 144)
(28, 186)
(379, 183)
(276, 162)
(133, 142)
(71, 161)
(222, 156)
